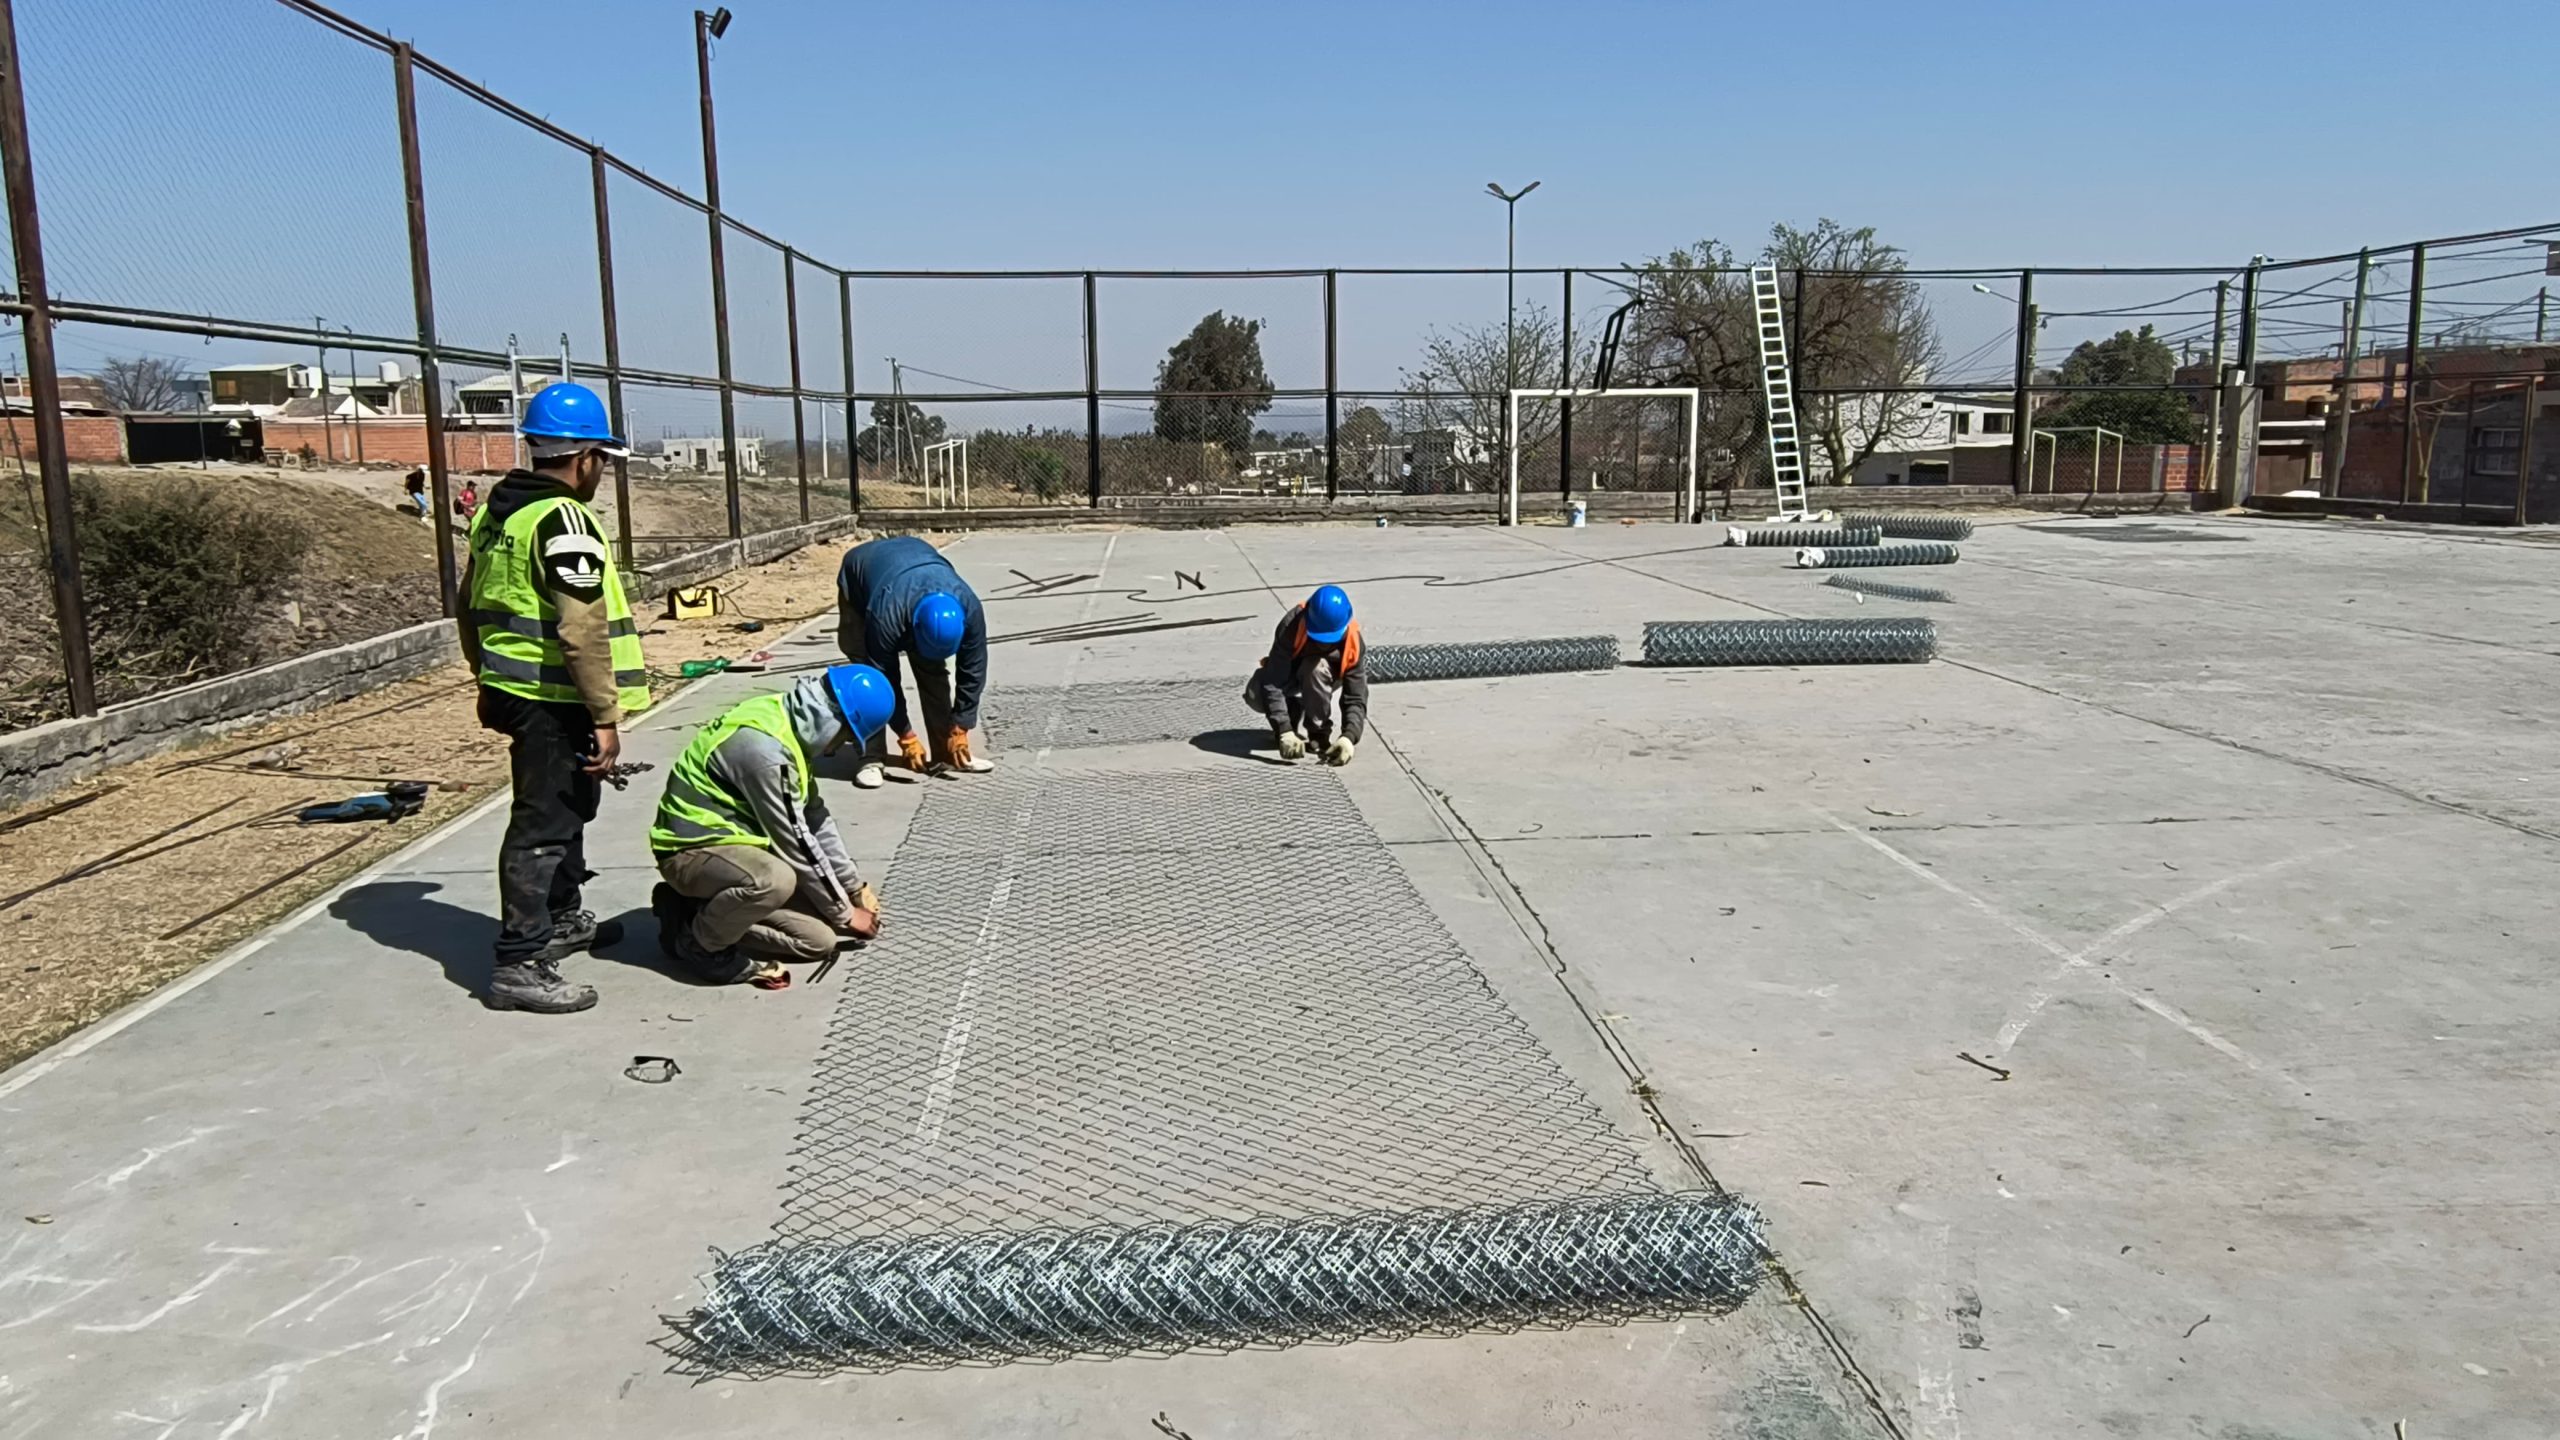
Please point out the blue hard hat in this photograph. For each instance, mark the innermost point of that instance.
(938, 624)
(1328, 614)
(573, 414)
(863, 696)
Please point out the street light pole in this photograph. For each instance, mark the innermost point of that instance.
(1510, 300)
(707, 28)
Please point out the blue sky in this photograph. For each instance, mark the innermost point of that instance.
(1149, 134)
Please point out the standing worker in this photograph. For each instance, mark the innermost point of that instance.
(1314, 663)
(899, 596)
(755, 871)
(545, 625)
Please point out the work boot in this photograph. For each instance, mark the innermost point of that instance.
(538, 986)
(871, 776)
(576, 930)
(675, 937)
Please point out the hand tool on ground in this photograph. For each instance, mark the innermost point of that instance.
(696, 669)
(399, 798)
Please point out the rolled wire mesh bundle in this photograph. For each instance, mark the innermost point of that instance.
(1224, 1284)
(1491, 657)
(1803, 535)
(1909, 552)
(1883, 640)
(1889, 591)
(1924, 527)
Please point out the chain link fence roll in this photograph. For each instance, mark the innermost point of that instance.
(1800, 535)
(1221, 1285)
(1885, 590)
(1885, 641)
(1474, 659)
(1915, 552)
(1924, 527)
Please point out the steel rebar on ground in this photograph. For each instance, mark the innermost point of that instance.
(1909, 552)
(1924, 527)
(1800, 535)
(1882, 640)
(890, 1301)
(1471, 660)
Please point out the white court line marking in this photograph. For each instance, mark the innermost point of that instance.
(2079, 959)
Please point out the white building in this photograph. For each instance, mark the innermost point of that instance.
(1923, 448)
(704, 453)
(267, 389)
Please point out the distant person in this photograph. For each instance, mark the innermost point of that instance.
(547, 629)
(414, 491)
(897, 597)
(467, 504)
(1313, 669)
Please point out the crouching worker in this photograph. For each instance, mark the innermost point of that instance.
(754, 871)
(898, 597)
(1313, 670)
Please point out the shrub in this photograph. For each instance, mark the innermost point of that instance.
(175, 573)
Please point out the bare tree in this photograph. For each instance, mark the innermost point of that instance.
(141, 383)
(1452, 402)
(1859, 327)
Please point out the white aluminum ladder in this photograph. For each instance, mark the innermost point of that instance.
(1777, 389)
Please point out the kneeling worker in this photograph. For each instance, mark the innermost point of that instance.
(898, 596)
(1314, 665)
(754, 870)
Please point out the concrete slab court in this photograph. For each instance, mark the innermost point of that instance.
(2229, 843)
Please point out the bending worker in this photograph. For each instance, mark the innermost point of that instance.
(754, 870)
(896, 597)
(546, 628)
(1313, 667)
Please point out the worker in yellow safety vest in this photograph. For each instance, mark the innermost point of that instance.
(546, 628)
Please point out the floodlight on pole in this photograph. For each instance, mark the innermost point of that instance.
(1510, 287)
(718, 22)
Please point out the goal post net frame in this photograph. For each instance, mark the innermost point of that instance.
(1688, 450)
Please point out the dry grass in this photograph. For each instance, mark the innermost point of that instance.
(88, 946)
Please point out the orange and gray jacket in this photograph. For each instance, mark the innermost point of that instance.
(1290, 655)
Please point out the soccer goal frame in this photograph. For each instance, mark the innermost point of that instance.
(949, 479)
(1688, 450)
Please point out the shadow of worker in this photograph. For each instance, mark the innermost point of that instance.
(1242, 744)
(404, 915)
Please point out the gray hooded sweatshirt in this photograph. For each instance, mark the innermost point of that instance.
(761, 771)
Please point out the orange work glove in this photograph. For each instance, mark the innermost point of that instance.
(911, 747)
(956, 745)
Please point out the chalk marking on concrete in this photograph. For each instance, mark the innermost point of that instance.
(431, 1405)
(379, 1276)
(115, 1179)
(2053, 947)
(31, 1278)
(567, 1157)
(187, 1296)
(2087, 955)
(955, 1036)
(424, 1295)
(351, 1264)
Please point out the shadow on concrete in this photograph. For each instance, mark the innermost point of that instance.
(404, 915)
(1244, 744)
(639, 949)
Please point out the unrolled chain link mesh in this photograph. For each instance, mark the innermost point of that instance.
(1883, 640)
(1911, 552)
(1223, 1284)
(1469, 660)
(1924, 527)
(1886, 590)
(1066, 717)
(1796, 535)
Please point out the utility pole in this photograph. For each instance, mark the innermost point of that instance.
(515, 401)
(328, 442)
(2412, 486)
(566, 373)
(2333, 472)
(2213, 436)
(1510, 298)
(2541, 313)
(707, 28)
(355, 398)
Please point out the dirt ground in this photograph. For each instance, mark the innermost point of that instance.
(129, 887)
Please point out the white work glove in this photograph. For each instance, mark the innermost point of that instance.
(1292, 746)
(1339, 752)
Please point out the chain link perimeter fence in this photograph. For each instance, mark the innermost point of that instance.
(304, 336)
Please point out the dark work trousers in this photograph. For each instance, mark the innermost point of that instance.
(543, 861)
(933, 697)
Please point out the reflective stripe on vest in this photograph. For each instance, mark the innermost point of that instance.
(518, 623)
(697, 809)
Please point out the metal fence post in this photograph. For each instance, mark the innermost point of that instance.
(2213, 434)
(1092, 400)
(2411, 486)
(404, 79)
(1332, 393)
(791, 329)
(719, 277)
(1564, 407)
(2022, 414)
(612, 353)
(852, 422)
(2335, 467)
(44, 386)
(2524, 447)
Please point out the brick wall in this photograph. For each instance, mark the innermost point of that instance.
(88, 439)
(2076, 469)
(396, 441)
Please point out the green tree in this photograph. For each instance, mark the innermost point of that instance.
(2142, 412)
(1363, 428)
(898, 426)
(1211, 384)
